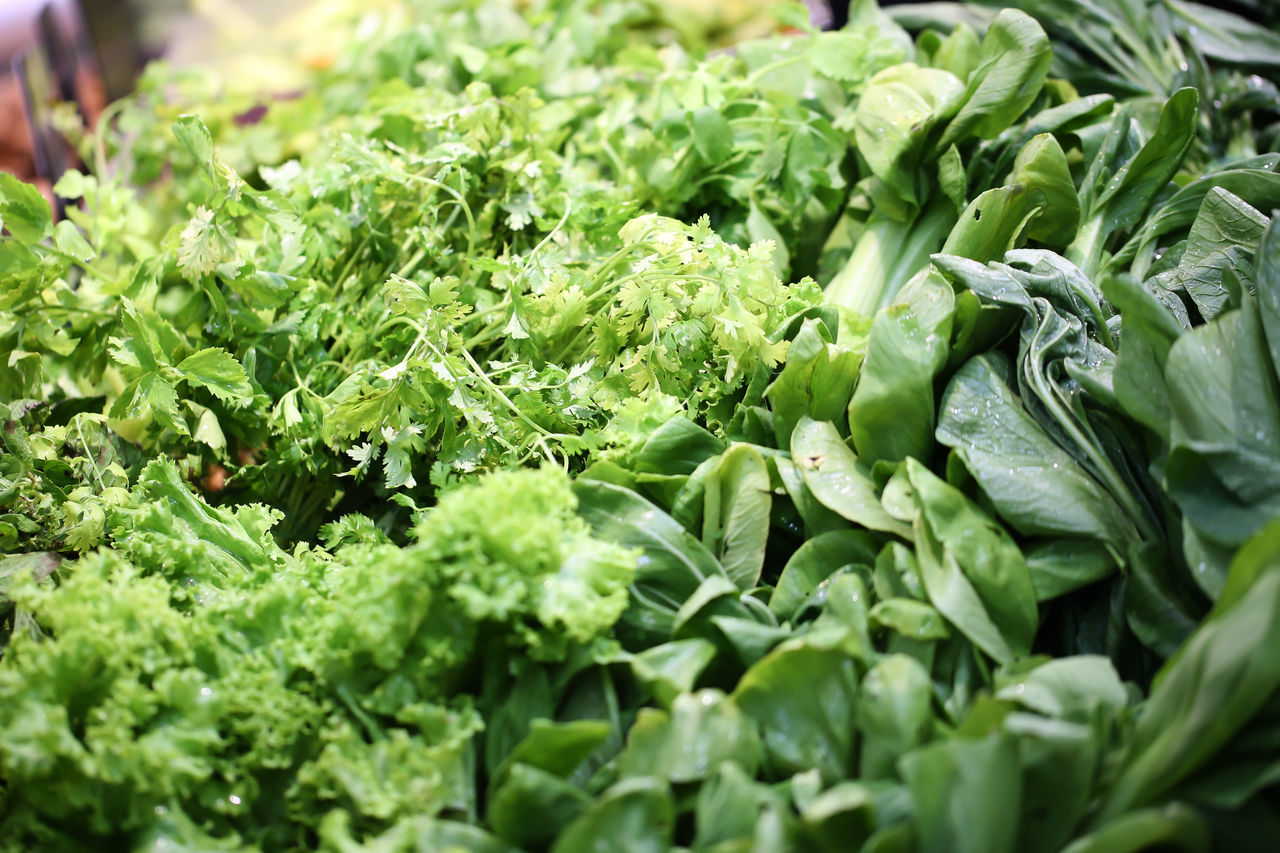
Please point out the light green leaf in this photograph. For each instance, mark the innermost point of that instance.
(759, 228)
(202, 245)
(1041, 166)
(1013, 62)
(1071, 688)
(23, 210)
(992, 224)
(74, 184)
(195, 137)
(68, 240)
(712, 135)
(208, 430)
(216, 369)
(897, 110)
(163, 401)
(792, 13)
(816, 381)
(832, 472)
(735, 519)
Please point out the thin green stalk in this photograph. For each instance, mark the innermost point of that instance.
(1085, 250)
(858, 285)
(924, 240)
(887, 255)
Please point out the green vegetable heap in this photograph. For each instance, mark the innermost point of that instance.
(548, 432)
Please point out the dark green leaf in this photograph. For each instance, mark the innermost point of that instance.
(965, 794)
(1204, 694)
(531, 806)
(802, 697)
(815, 561)
(972, 571)
(1134, 187)
(636, 815)
(672, 668)
(1012, 65)
(1036, 486)
(1225, 222)
(1174, 826)
(702, 731)
(1268, 280)
(674, 562)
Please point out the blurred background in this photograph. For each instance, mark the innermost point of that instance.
(87, 53)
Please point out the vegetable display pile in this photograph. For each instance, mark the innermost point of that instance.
(550, 431)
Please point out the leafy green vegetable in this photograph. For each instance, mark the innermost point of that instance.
(463, 453)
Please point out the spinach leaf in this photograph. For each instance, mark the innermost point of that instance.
(951, 784)
(1036, 486)
(800, 695)
(814, 562)
(1223, 466)
(837, 479)
(1013, 62)
(1206, 692)
(673, 564)
(972, 571)
(1222, 241)
(891, 415)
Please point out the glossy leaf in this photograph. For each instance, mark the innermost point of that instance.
(814, 562)
(953, 785)
(636, 815)
(689, 743)
(673, 565)
(1013, 61)
(891, 415)
(832, 472)
(800, 696)
(735, 518)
